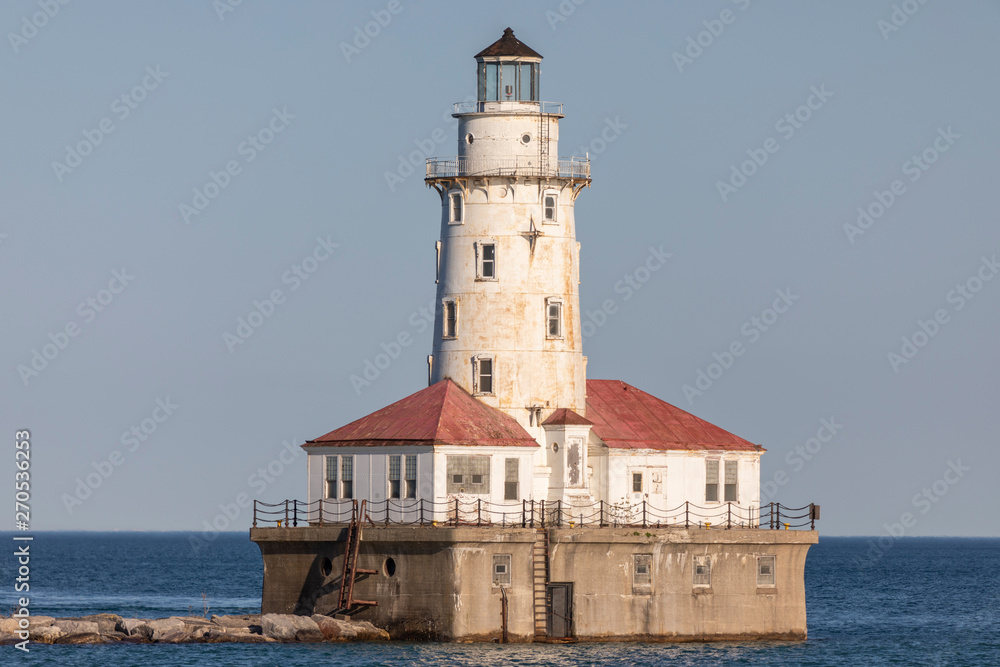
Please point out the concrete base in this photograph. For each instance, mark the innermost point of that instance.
(438, 583)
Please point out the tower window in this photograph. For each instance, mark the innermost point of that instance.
(455, 208)
(550, 206)
(450, 319)
(486, 261)
(553, 318)
(712, 480)
(483, 375)
(729, 491)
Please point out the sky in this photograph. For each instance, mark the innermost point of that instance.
(211, 225)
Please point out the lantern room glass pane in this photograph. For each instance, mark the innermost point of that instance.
(492, 82)
(527, 91)
(508, 82)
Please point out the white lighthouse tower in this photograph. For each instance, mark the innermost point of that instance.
(508, 330)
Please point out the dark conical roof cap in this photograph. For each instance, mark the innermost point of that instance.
(509, 45)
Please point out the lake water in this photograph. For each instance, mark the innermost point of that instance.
(921, 601)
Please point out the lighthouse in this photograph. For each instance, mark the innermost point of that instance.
(508, 263)
(513, 498)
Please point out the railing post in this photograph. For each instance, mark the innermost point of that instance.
(255, 513)
(286, 513)
(295, 513)
(687, 514)
(421, 511)
(729, 515)
(524, 518)
(812, 516)
(321, 503)
(601, 520)
(543, 513)
(479, 511)
(532, 512)
(456, 511)
(559, 512)
(643, 513)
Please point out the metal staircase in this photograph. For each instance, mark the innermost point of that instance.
(346, 602)
(540, 574)
(543, 140)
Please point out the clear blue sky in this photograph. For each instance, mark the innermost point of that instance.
(198, 82)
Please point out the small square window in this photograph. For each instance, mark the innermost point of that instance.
(765, 570)
(486, 261)
(501, 569)
(550, 203)
(477, 479)
(455, 208)
(450, 320)
(637, 482)
(553, 318)
(483, 375)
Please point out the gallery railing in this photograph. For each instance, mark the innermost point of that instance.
(461, 166)
(534, 513)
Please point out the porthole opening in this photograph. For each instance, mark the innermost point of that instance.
(389, 567)
(326, 567)
(469, 138)
(526, 138)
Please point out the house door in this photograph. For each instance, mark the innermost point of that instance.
(560, 616)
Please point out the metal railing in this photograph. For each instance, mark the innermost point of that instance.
(534, 513)
(509, 106)
(460, 166)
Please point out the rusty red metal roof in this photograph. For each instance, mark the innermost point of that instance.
(628, 418)
(509, 45)
(565, 416)
(441, 414)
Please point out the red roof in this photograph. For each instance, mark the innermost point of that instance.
(565, 416)
(628, 418)
(441, 414)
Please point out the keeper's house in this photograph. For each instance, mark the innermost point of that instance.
(513, 498)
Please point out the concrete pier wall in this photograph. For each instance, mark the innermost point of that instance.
(439, 582)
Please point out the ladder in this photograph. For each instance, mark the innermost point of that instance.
(543, 141)
(540, 578)
(346, 601)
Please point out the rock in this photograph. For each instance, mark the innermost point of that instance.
(80, 637)
(162, 626)
(236, 621)
(334, 629)
(368, 632)
(105, 622)
(143, 631)
(128, 625)
(75, 627)
(45, 634)
(216, 637)
(174, 637)
(329, 627)
(288, 627)
(9, 626)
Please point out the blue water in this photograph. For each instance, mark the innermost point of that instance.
(921, 601)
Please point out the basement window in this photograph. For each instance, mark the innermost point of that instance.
(450, 319)
(642, 565)
(456, 207)
(765, 571)
(702, 571)
(501, 569)
(712, 480)
(482, 376)
(553, 318)
(486, 260)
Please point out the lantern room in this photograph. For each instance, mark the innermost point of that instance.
(508, 71)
